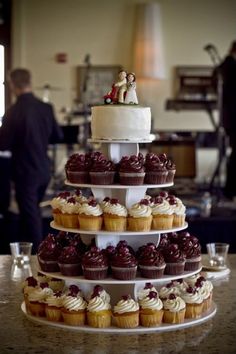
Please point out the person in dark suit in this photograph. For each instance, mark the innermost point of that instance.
(228, 71)
(27, 128)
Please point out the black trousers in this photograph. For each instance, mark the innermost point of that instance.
(230, 185)
(28, 196)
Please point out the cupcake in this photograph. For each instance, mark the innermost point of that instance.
(115, 216)
(126, 313)
(53, 306)
(42, 278)
(156, 172)
(151, 262)
(140, 216)
(29, 285)
(105, 202)
(205, 289)
(192, 249)
(90, 216)
(77, 168)
(142, 293)
(37, 299)
(70, 261)
(162, 214)
(56, 204)
(102, 170)
(48, 253)
(74, 309)
(169, 288)
(79, 197)
(180, 284)
(95, 264)
(123, 264)
(174, 309)
(194, 302)
(131, 170)
(179, 211)
(175, 260)
(98, 310)
(69, 213)
(151, 310)
(101, 292)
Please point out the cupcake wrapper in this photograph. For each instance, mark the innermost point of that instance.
(48, 266)
(139, 224)
(37, 309)
(90, 223)
(53, 313)
(152, 272)
(129, 320)
(113, 223)
(192, 264)
(174, 317)
(69, 221)
(162, 222)
(70, 269)
(174, 268)
(77, 176)
(131, 178)
(156, 177)
(151, 319)
(194, 310)
(74, 318)
(102, 177)
(124, 273)
(170, 176)
(95, 273)
(178, 220)
(100, 319)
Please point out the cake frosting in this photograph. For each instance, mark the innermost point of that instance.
(121, 122)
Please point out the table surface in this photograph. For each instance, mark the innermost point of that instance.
(20, 335)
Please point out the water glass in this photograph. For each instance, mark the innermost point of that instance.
(217, 253)
(21, 252)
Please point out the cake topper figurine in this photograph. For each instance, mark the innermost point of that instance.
(123, 90)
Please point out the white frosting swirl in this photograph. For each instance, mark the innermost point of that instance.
(164, 292)
(163, 208)
(144, 292)
(192, 298)
(103, 294)
(179, 208)
(72, 303)
(174, 305)
(57, 203)
(39, 294)
(70, 208)
(80, 198)
(98, 304)
(126, 306)
(90, 210)
(115, 209)
(53, 300)
(192, 280)
(180, 286)
(140, 211)
(204, 292)
(152, 304)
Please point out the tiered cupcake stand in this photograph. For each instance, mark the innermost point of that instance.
(127, 196)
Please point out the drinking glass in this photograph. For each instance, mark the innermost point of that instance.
(217, 253)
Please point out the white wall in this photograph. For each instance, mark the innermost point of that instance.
(105, 28)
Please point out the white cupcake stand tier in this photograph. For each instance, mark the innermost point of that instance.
(127, 196)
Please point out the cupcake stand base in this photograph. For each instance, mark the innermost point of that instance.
(162, 328)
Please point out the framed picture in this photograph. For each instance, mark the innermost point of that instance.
(93, 82)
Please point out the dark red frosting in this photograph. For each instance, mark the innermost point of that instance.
(164, 241)
(124, 243)
(123, 258)
(31, 281)
(191, 247)
(101, 164)
(95, 258)
(49, 249)
(150, 256)
(78, 162)
(173, 254)
(133, 163)
(69, 255)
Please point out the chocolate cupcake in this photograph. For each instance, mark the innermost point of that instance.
(95, 264)
(131, 170)
(77, 168)
(102, 170)
(70, 261)
(192, 248)
(171, 168)
(156, 171)
(151, 262)
(175, 259)
(123, 264)
(48, 253)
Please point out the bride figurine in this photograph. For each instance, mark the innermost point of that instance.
(131, 97)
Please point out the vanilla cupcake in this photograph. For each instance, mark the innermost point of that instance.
(142, 293)
(56, 284)
(101, 292)
(168, 289)
(126, 313)
(174, 309)
(53, 306)
(180, 284)
(37, 299)
(90, 216)
(205, 289)
(140, 216)
(162, 214)
(69, 216)
(98, 310)
(151, 310)
(114, 215)
(179, 211)
(74, 309)
(29, 285)
(79, 197)
(194, 302)
(57, 204)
